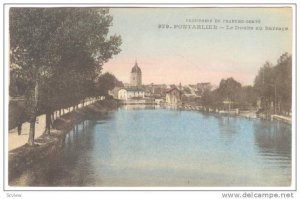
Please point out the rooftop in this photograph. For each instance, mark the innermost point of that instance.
(136, 68)
(134, 88)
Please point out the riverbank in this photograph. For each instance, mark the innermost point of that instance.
(250, 114)
(138, 147)
(282, 118)
(48, 145)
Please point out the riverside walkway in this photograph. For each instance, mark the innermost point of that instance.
(15, 140)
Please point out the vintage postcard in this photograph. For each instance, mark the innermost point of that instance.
(150, 98)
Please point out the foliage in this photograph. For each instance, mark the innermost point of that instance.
(274, 85)
(229, 89)
(57, 53)
(105, 82)
(62, 49)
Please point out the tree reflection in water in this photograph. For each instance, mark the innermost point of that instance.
(273, 138)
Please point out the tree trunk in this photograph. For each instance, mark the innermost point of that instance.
(48, 123)
(76, 128)
(59, 113)
(52, 119)
(31, 132)
(33, 114)
(20, 128)
(63, 141)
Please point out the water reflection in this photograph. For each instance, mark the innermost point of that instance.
(227, 128)
(151, 146)
(274, 144)
(273, 137)
(71, 166)
(140, 107)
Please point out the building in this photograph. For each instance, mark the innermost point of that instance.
(136, 76)
(155, 90)
(131, 93)
(173, 96)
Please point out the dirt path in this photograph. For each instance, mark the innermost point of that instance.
(15, 140)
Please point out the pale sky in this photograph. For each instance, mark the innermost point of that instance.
(197, 55)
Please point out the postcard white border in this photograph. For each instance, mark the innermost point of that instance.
(6, 75)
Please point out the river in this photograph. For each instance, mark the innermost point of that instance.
(153, 146)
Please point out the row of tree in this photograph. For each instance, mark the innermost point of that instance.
(272, 90)
(56, 57)
(230, 94)
(273, 85)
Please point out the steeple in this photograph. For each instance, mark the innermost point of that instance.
(135, 64)
(136, 75)
(136, 68)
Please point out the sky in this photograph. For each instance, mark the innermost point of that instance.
(190, 56)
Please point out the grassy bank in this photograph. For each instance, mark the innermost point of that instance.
(46, 146)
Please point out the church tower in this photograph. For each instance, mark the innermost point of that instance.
(136, 75)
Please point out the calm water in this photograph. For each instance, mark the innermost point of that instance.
(162, 147)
